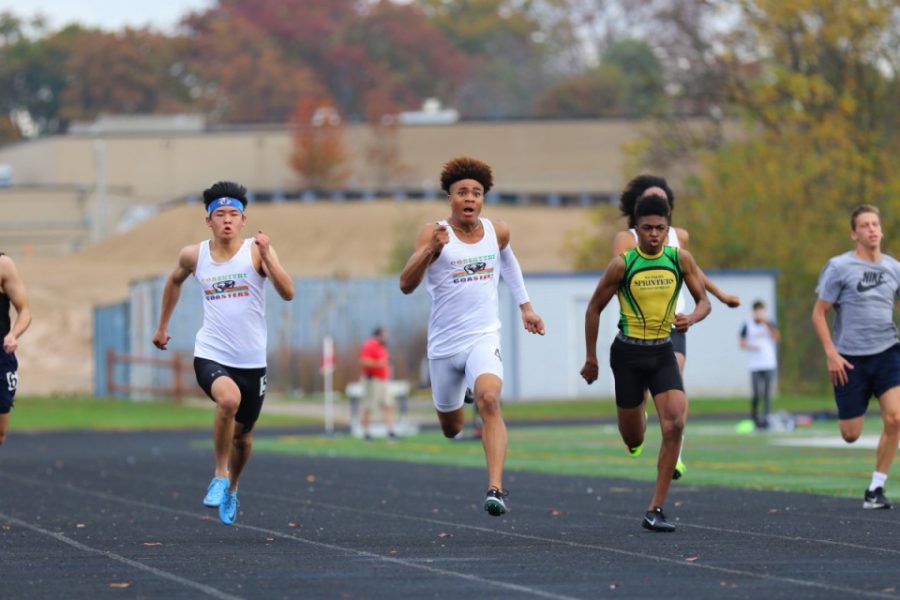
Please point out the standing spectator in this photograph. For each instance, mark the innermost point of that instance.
(759, 336)
(375, 361)
(12, 292)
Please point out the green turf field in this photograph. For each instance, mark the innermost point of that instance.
(64, 412)
(715, 454)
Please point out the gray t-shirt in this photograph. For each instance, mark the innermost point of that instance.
(863, 295)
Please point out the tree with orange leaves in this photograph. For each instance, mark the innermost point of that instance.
(319, 155)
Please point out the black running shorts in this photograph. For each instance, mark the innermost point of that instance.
(637, 368)
(9, 380)
(251, 383)
(679, 342)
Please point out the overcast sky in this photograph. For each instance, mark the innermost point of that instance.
(107, 14)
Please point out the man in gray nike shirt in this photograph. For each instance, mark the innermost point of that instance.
(864, 354)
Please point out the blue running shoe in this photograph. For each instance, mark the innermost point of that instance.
(229, 507)
(216, 492)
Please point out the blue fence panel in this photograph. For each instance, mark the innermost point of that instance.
(111, 333)
(345, 309)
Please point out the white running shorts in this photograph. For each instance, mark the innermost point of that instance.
(450, 376)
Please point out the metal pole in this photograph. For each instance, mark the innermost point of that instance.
(101, 209)
(328, 372)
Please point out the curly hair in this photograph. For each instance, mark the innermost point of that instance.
(464, 167)
(636, 188)
(225, 189)
(652, 204)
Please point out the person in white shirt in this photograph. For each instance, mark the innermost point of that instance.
(230, 348)
(759, 338)
(460, 259)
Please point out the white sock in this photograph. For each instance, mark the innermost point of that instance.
(878, 480)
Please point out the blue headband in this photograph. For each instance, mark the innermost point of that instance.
(220, 202)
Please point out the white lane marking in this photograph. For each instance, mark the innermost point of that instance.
(630, 553)
(399, 561)
(865, 442)
(209, 591)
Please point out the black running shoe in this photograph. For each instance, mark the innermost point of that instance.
(469, 398)
(495, 502)
(655, 520)
(876, 499)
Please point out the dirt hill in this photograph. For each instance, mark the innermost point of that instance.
(349, 239)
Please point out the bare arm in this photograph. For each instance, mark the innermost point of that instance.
(730, 300)
(272, 268)
(14, 288)
(431, 240)
(622, 243)
(837, 364)
(187, 264)
(603, 293)
(691, 273)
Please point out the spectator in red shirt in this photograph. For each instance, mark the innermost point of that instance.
(374, 360)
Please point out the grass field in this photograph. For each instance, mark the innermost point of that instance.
(587, 445)
(715, 454)
(69, 412)
(62, 412)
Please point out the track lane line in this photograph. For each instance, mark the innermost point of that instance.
(581, 545)
(352, 551)
(200, 587)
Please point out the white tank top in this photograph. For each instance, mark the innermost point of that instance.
(463, 283)
(234, 310)
(671, 240)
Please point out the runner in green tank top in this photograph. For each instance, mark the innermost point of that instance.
(648, 293)
(647, 280)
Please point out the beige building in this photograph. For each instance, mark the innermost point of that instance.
(69, 190)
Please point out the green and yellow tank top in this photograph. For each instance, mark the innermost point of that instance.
(648, 293)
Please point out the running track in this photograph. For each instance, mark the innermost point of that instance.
(118, 515)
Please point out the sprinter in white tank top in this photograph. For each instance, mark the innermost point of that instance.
(648, 185)
(461, 259)
(230, 350)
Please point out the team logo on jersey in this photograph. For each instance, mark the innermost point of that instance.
(652, 280)
(473, 269)
(226, 286)
(870, 280)
(221, 286)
